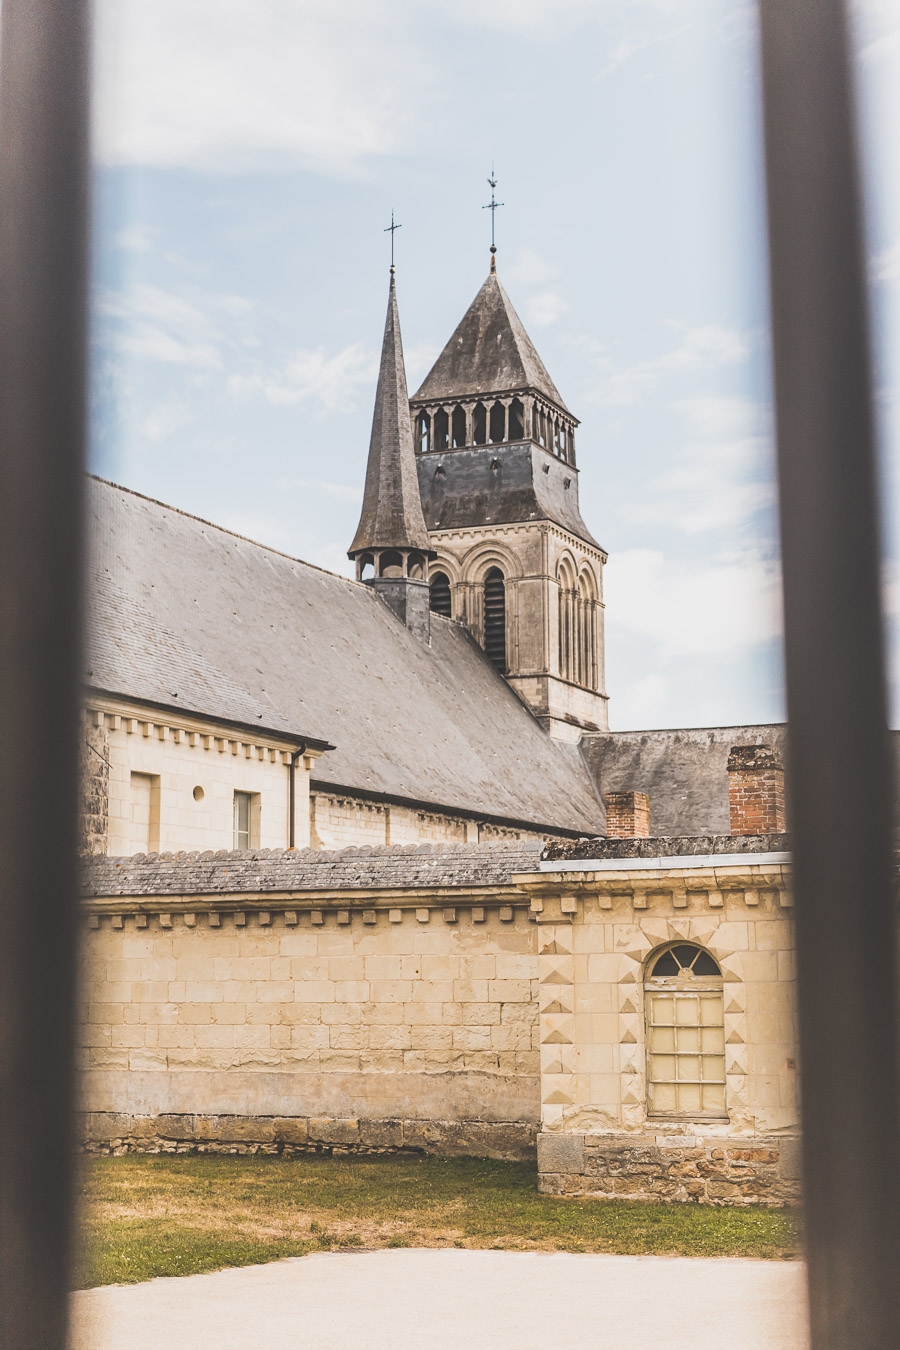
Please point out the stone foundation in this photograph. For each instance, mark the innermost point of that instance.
(712, 1171)
(108, 1132)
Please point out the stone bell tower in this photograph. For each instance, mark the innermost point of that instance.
(513, 559)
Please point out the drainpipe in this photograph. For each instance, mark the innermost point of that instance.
(292, 792)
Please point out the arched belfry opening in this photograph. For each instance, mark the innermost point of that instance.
(495, 618)
(441, 602)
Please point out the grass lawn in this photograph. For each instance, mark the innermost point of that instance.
(168, 1215)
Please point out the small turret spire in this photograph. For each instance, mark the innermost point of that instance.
(391, 515)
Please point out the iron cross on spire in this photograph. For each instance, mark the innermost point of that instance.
(492, 207)
(392, 230)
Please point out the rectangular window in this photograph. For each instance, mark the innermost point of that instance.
(243, 819)
(685, 1053)
(144, 805)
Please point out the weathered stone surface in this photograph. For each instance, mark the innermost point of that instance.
(560, 1152)
(711, 1171)
(401, 866)
(108, 1132)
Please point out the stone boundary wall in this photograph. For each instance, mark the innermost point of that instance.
(764, 1170)
(114, 1133)
(371, 999)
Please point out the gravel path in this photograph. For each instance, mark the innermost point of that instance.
(407, 1299)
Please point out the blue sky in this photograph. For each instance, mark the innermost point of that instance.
(249, 156)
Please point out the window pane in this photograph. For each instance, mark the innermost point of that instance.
(687, 1011)
(689, 1098)
(666, 965)
(705, 965)
(662, 1010)
(713, 1040)
(688, 1068)
(713, 1097)
(662, 1038)
(662, 1098)
(688, 1039)
(684, 955)
(713, 1068)
(711, 1010)
(662, 1068)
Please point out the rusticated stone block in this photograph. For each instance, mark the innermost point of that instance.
(327, 1131)
(560, 1152)
(386, 1134)
(290, 1129)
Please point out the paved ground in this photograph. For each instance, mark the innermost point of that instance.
(407, 1299)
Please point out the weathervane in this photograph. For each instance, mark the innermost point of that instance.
(492, 207)
(392, 229)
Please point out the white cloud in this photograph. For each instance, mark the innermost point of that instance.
(701, 347)
(717, 607)
(159, 325)
(162, 421)
(311, 375)
(344, 492)
(642, 702)
(545, 307)
(226, 85)
(720, 475)
(528, 268)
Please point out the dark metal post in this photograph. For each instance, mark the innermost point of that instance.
(841, 789)
(43, 237)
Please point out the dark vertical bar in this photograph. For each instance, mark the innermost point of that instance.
(43, 234)
(841, 798)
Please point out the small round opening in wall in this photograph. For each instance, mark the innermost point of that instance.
(199, 794)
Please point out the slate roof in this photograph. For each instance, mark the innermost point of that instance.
(397, 867)
(391, 514)
(186, 614)
(489, 353)
(684, 772)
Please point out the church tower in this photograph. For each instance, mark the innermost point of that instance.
(391, 548)
(513, 559)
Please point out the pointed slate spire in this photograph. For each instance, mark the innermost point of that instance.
(391, 515)
(488, 353)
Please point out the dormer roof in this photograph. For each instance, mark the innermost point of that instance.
(489, 353)
(391, 516)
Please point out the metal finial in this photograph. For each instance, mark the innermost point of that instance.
(492, 207)
(392, 229)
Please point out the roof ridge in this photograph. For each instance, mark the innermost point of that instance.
(223, 529)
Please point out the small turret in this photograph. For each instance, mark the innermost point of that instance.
(391, 547)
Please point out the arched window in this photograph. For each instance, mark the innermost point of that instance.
(441, 430)
(479, 424)
(539, 432)
(516, 420)
(685, 1033)
(498, 423)
(390, 564)
(565, 577)
(459, 427)
(366, 565)
(440, 594)
(423, 433)
(495, 618)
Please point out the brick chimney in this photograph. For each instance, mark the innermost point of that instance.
(627, 815)
(756, 790)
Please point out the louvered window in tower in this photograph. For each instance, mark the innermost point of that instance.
(495, 618)
(440, 594)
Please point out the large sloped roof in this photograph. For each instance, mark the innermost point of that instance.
(391, 515)
(490, 352)
(186, 614)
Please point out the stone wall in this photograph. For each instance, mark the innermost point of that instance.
(311, 1016)
(599, 932)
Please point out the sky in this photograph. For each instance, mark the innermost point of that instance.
(249, 154)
